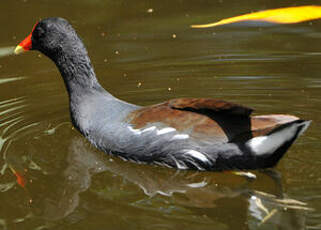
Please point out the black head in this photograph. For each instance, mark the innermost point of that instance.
(51, 36)
(56, 38)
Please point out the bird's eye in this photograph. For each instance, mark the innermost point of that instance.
(38, 33)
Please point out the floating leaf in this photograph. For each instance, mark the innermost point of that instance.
(281, 15)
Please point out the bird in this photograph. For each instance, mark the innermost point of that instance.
(204, 134)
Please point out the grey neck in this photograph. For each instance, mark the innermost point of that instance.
(77, 71)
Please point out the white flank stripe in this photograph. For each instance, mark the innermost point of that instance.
(165, 130)
(140, 131)
(180, 164)
(149, 129)
(136, 131)
(180, 137)
(197, 155)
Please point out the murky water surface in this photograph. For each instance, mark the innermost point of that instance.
(144, 52)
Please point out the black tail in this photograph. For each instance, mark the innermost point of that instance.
(269, 149)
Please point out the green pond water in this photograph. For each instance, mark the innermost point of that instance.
(145, 52)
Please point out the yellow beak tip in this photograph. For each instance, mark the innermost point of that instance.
(19, 50)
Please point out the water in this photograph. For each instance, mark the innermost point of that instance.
(145, 52)
(6, 51)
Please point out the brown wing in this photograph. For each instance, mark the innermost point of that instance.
(212, 105)
(207, 119)
(263, 124)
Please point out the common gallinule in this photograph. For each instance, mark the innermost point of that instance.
(186, 133)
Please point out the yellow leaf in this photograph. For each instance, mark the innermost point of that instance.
(281, 15)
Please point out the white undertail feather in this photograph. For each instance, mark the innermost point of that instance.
(270, 143)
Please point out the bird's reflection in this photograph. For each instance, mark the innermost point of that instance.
(224, 193)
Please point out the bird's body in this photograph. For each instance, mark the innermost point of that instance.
(186, 133)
